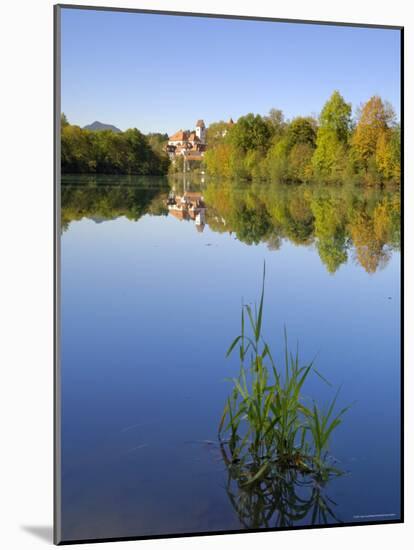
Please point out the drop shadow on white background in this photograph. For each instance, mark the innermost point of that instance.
(43, 532)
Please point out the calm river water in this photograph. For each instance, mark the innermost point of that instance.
(151, 300)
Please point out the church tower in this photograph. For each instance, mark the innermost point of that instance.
(201, 130)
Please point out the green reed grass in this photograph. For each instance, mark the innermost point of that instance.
(265, 419)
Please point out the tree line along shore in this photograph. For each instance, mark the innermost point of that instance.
(334, 147)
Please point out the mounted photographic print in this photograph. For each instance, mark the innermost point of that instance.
(228, 350)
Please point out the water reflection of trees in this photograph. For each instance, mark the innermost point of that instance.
(110, 199)
(341, 222)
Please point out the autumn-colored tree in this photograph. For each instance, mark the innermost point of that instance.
(304, 149)
(387, 154)
(376, 118)
(371, 252)
(300, 157)
(253, 163)
(217, 160)
(383, 154)
(395, 145)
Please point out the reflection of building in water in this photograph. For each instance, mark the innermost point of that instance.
(188, 206)
(200, 220)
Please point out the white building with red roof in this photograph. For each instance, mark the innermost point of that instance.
(186, 142)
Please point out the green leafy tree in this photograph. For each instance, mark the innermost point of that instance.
(289, 157)
(250, 132)
(158, 142)
(336, 116)
(277, 160)
(301, 130)
(216, 133)
(329, 159)
(107, 152)
(277, 122)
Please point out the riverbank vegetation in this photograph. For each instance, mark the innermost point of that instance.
(106, 152)
(332, 148)
(268, 427)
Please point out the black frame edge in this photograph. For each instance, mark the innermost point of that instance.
(402, 279)
(231, 532)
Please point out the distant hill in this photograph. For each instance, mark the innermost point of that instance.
(99, 127)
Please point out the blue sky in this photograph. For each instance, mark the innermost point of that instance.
(162, 73)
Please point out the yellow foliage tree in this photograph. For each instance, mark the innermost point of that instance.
(217, 160)
(383, 155)
(374, 122)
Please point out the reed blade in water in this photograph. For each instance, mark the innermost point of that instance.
(266, 428)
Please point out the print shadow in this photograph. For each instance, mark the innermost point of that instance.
(43, 532)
